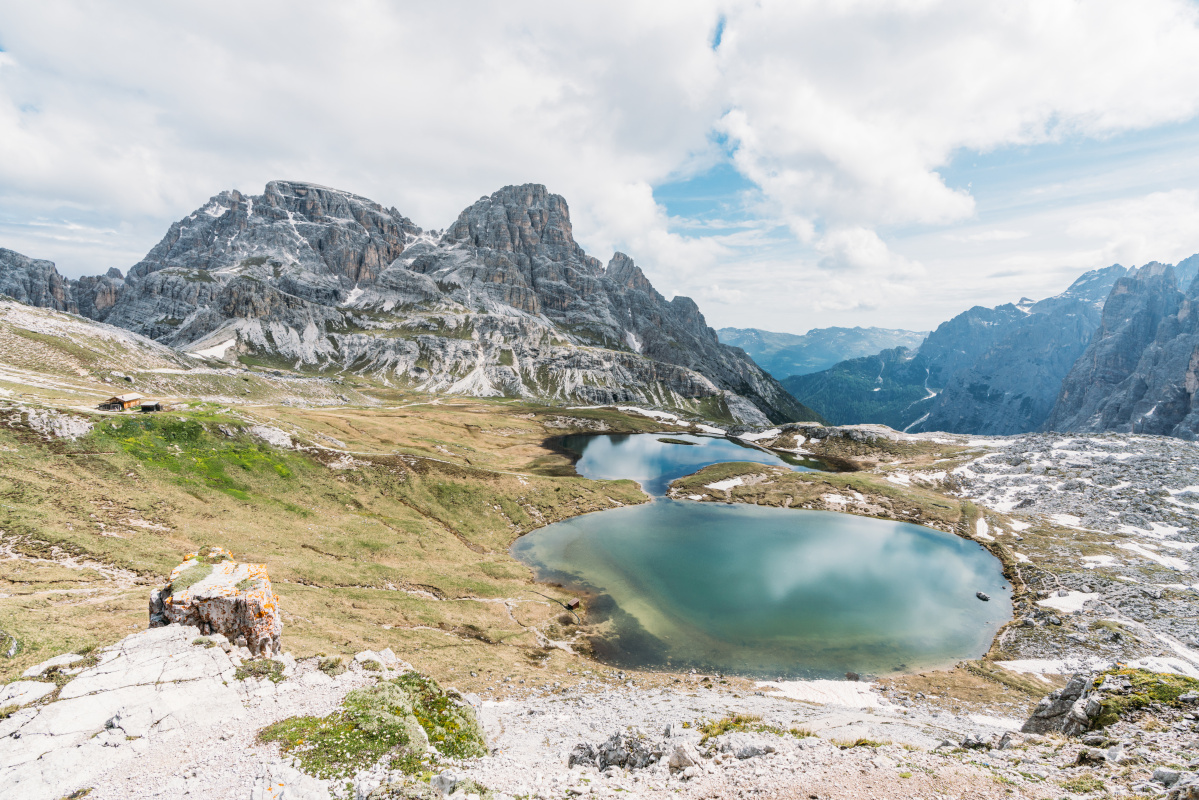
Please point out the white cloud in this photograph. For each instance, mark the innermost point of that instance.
(119, 117)
(1162, 226)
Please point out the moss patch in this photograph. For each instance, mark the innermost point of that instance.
(1147, 688)
(746, 722)
(190, 577)
(391, 720)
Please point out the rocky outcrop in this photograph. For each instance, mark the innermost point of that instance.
(218, 595)
(149, 686)
(34, 282)
(626, 750)
(1140, 372)
(1069, 710)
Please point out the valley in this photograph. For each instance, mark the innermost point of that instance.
(395, 424)
(385, 518)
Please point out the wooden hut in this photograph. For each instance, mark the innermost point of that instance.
(121, 402)
(151, 405)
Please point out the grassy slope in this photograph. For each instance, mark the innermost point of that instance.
(407, 547)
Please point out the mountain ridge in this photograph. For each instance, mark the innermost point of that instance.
(985, 371)
(503, 302)
(787, 354)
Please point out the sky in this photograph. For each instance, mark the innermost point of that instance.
(788, 165)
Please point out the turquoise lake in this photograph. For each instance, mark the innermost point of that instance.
(757, 591)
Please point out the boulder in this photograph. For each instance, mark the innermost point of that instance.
(1068, 710)
(682, 757)
(1165, 776)
(618, 750)
(216, 594)
(744, 745)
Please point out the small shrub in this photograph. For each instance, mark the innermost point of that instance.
(8, 711)
(203, 640)
(862, 742)
(331, 665)
(215, 556)
(1083, 784)
(734, 722)
(370, 665)
(905, 774)
(449, 722)
(746, 722)
(261, 668)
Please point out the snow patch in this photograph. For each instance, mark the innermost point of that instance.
(851, 694)
(632, 341)
(1053, 666)
(980, 531)
(1072, 601)
(1166, 561)
(353, 296)
(725, 485)
(757, 437)
(216, 351)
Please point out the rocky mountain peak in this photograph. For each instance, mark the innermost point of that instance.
(34, 281)
(505, 302)
(524, 220)
(628, 276)
(292, 224)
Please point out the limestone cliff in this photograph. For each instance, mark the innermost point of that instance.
(1140, 372)
(503, 302)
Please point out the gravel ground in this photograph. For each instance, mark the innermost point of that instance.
(1106, 528)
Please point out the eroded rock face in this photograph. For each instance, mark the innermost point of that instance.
(216, 594)
(35, 282)
(1068, 710)
(1139, 372)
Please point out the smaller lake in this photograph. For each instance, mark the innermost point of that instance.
(761, 591)
(654, 463)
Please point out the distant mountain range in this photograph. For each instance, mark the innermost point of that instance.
(787, 354)
(1016, 368)
(504, 302)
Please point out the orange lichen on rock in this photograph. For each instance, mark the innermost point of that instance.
(216, 594)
